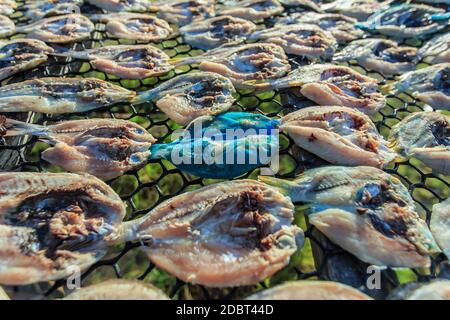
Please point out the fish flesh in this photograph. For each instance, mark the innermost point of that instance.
(223, 235)
(425, 136)
(358, 9)
(40, 9)
(430, 85)
(381, 55)
(20, 55)
(53, 222)
(340, 26)
(134, 26)
(7, 7)
(105, 148)
(306, 40)
(59, 29)
(192, 95)
(329, 85)
(222, 147)
(7, 27)
(433, 290)
(118, 289)
(183, 12)
(61, 95)
(122, 5)
(339, 135)
(436, 50)
(406, 21)
(308, 4)
(440, 225)
(126, 61)
(252, 9)
(255, 61)
(310, 290)
(366, 211)
(213, 32)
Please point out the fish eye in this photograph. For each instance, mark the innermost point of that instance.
(138, 131)
(368, 192)
(135, 159)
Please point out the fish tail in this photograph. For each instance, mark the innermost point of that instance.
(286, 187)
(10, 127)
(145, 96)
(181, 61)
(160, 151)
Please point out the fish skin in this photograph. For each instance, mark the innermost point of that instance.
(74, 95)
(433, 290)
(438, 48)
(7, 7)
(40, 9)
(360, 10)
(340, 135)
(7, 27)
(122, 5)
(308, 4)
(439, 225)
(183, 12)
(252, 9)
(366, 211)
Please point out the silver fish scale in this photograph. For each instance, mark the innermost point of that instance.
(146, 188)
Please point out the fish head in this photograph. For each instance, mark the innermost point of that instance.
(135, 132)
(441, 80)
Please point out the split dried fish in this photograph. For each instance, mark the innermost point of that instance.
(53, 222)
(183, 12)
(126, 61)
(223, 235)
(430, 85)
(306, 40)
(7, 27)
(135, 26)
(252, 9)
(339, 25)
(440, 225)
(7, 7)
(358, 9)
(310, 290)
(433, 290)
(384, 56)
(436, 50)
(308, 4)
(339, 135)
(40, 9)
(406, 21)
(328, 84)
(425, 136)
(60, 29)
(61, 95)
(122, 5)
(255, 61)
(189, 96)
(105, 148)
(20, 55)
(213, 32)
(366, 211)
(119, 289)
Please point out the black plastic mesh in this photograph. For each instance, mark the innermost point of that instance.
(158, 181)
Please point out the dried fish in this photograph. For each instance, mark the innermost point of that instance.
(358, 9)
(7, 27)
(213, 32)
(406, 21)
(223, 235)
(183, 12)
(252, 9)
(135, 26)
(222, 147)
(53, 222)
(339, 135)
(430, 85)
(328, 84)
(339, 25)
(126, 61)
(425, 136)
(20, 55)
(40, 9)
(310, 290)
(119, 289)
(384, 56)
(256, 61)
(440, 225)
(61, 95)
(306, 40)
(308, 4)
(433, 290)
(60, 29)
(122, 5)
(366, 211)
(436, 49)
(189, 96)
(105, 148)
(7, 7)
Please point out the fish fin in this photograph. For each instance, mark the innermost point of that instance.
(10, 127)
